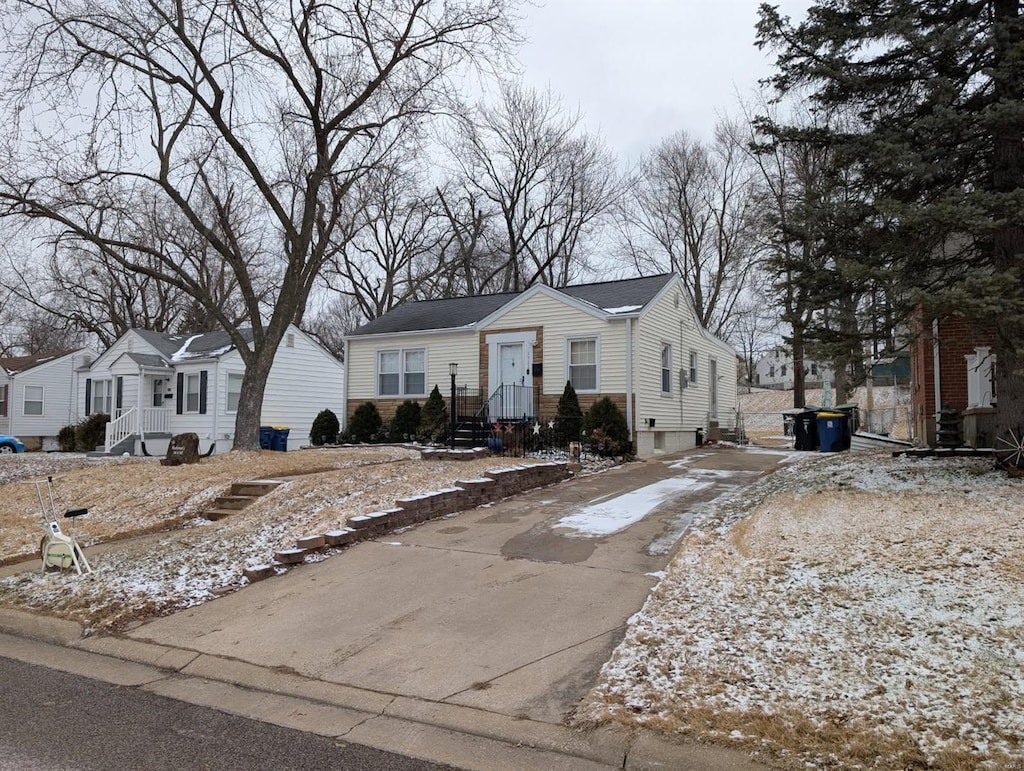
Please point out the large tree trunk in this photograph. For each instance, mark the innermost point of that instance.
(1008, 177)
(799, 378)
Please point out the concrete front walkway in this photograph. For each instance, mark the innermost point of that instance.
(491, 623)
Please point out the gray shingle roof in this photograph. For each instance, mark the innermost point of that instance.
(612, 296)
(205, 345)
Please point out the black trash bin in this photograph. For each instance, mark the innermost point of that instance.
(280, 440)
(266, 437)
(852, 412)
(805, 430)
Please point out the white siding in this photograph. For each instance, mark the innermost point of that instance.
(461, 348)
(677, 415)
(303, 381)
(562, 322)
(57, 379)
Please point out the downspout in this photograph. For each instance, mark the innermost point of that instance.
(139, 416)
(216, 406)
(629, 376)
(936, 363)
(344, 387)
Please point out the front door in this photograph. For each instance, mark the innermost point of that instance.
(512, 372)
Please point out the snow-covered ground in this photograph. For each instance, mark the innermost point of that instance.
(154, 553)
(852, 611)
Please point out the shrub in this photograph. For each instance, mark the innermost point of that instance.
(605, 428)
(66, 439)
(434, 418)
(365, 424)
(406, 422)
(325, 428)
(569, 418)
(91, 432)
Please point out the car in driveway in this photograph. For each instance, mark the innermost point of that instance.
(10, 444)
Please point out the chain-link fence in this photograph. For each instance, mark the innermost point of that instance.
(777, 427)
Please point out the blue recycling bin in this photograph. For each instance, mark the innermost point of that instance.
(832, 431)
(280, 440)
(266, 437)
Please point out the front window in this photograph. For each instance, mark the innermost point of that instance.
(814, 369)
(33, 400)
(192, 393)
(234, 391)
(693, 367)
(102, 396)
(666, 369)
(783, 370)
(771, 371)
(3, 400)
(402, 372)
(583, 364)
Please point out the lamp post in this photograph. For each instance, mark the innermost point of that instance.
(453, 370)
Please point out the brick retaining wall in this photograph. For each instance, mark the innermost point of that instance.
(467, 494)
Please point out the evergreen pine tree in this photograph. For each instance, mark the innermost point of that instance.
(434, 418)
(568, 418)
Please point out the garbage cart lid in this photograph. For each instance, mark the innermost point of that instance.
(831, 415)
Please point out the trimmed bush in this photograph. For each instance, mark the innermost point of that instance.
(569, 417)
(365, 423)
(605, 428)
(325, 428)
(434, 418)
(91, 432)
(406, 422)
(66, 439)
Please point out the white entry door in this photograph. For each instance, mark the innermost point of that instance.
(510, 377)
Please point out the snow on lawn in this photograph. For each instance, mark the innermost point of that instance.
(196, 559)
(852, 611)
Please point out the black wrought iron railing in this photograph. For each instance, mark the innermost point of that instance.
(511, 404)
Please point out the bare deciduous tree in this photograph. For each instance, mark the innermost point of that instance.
(691, 210)
(548, 183)
(251, 119)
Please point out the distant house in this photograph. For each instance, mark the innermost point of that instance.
(155, 385)
(636, 341)
(38, 395)
(775, 370)
(953, 364)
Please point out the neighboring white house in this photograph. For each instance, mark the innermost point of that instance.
(637, 341)
(38, 395)
(155, 385)
(775, 370)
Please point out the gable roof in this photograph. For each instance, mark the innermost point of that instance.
(14, 365)
(203, 345)
(611, 297)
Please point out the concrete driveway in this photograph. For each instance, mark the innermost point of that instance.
(500, 609)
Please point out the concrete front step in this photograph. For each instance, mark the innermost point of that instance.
(241, 495)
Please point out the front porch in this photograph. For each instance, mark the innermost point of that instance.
(134, 424)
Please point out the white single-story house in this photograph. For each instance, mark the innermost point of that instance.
(775, 370)
(156, 385)
(38, 395)
(636, 341)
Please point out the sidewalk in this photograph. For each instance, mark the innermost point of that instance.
(466, 640)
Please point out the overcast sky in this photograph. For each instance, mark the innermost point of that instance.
(640, 70)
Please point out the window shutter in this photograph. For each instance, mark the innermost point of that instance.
(120, 393)
(181, 392)
(88, 396)
(202, 392)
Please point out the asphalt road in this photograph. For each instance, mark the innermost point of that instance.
(52, 720)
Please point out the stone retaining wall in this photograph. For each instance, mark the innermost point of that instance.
(467, 494)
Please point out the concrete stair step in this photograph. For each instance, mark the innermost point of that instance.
(215, 514)
(234, 501)
(255, 487)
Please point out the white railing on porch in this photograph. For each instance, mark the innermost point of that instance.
(154, 421)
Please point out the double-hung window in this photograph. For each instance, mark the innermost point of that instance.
(33, 404)
(402, 372)
(666, 369)
(102, 397)
(192, 386)
(234, 391)
(583, 364)
(693, 368)
(3, 401)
